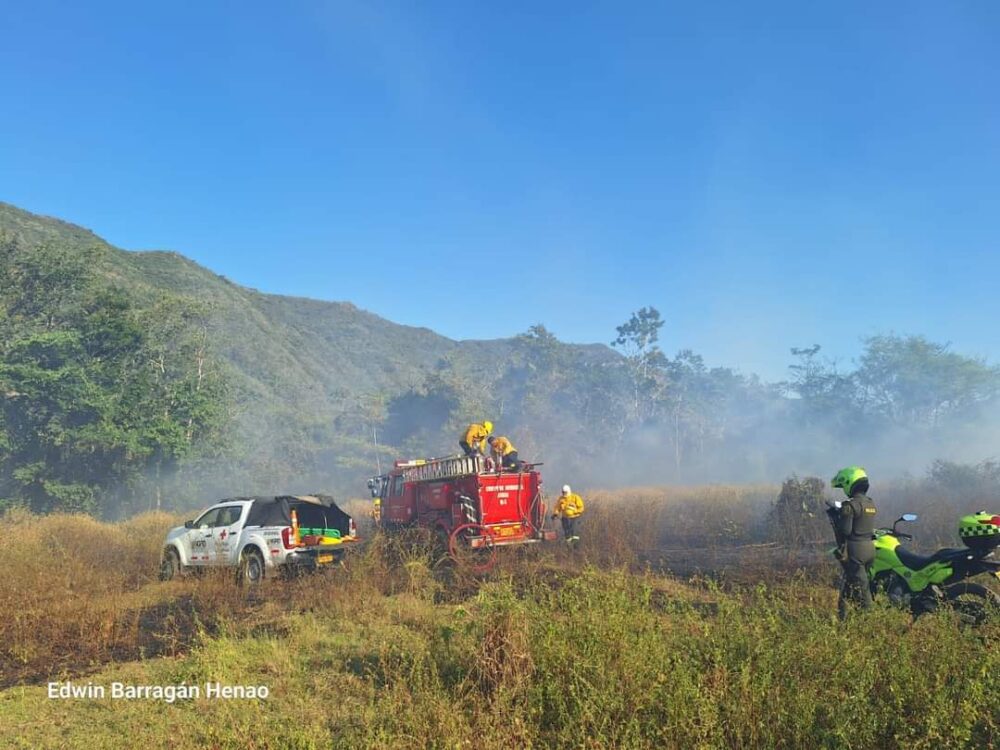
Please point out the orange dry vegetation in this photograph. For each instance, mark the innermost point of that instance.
(74, 592)
(649, 518)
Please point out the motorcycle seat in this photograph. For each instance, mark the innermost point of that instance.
(918, 562)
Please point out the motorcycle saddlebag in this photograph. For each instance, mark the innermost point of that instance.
(980, 531)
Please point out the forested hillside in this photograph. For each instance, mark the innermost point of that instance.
(132, 380)
(300, 389)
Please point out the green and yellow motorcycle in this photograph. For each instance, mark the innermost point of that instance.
(924, 583)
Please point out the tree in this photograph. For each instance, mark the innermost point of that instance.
(914, 382)
(539, 370)
(180, 407)
(540, 349)
(96, 391)
(828, 398)
(690, 402)
(637, 340)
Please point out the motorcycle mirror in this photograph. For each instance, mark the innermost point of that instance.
(908, 517)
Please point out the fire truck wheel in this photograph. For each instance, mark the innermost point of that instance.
(479, 559)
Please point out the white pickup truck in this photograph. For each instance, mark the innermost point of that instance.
(260, 534)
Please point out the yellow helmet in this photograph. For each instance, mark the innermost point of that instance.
(488, 425)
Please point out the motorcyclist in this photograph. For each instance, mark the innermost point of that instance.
(854, 527)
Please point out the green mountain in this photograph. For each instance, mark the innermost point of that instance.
(314, 384)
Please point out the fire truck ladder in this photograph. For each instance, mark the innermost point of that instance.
(442, 468)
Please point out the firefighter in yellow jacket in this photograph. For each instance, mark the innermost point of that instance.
(570, 507)
(474, 437)
(504, 453)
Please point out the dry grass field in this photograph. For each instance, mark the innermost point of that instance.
(593, 648)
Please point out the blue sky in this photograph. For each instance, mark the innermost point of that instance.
(768, 174)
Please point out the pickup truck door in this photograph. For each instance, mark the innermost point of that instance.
(198, 540)
(226, 534)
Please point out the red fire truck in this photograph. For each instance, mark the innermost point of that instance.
(464, 500)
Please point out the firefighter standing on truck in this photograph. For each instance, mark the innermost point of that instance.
(570, 507)
(854, 527)
(475, 435)
(504, 453)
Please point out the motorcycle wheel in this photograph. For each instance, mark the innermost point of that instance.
(973, 604)
(894, 587)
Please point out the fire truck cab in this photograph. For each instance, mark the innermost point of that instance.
(464, 498)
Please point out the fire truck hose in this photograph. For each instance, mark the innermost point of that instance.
(487, 544)
(531, 508)
(535, 503)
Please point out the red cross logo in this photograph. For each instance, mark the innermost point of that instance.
(224, 534)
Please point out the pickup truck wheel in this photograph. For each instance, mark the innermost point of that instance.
(170, 567)
(252, 567)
